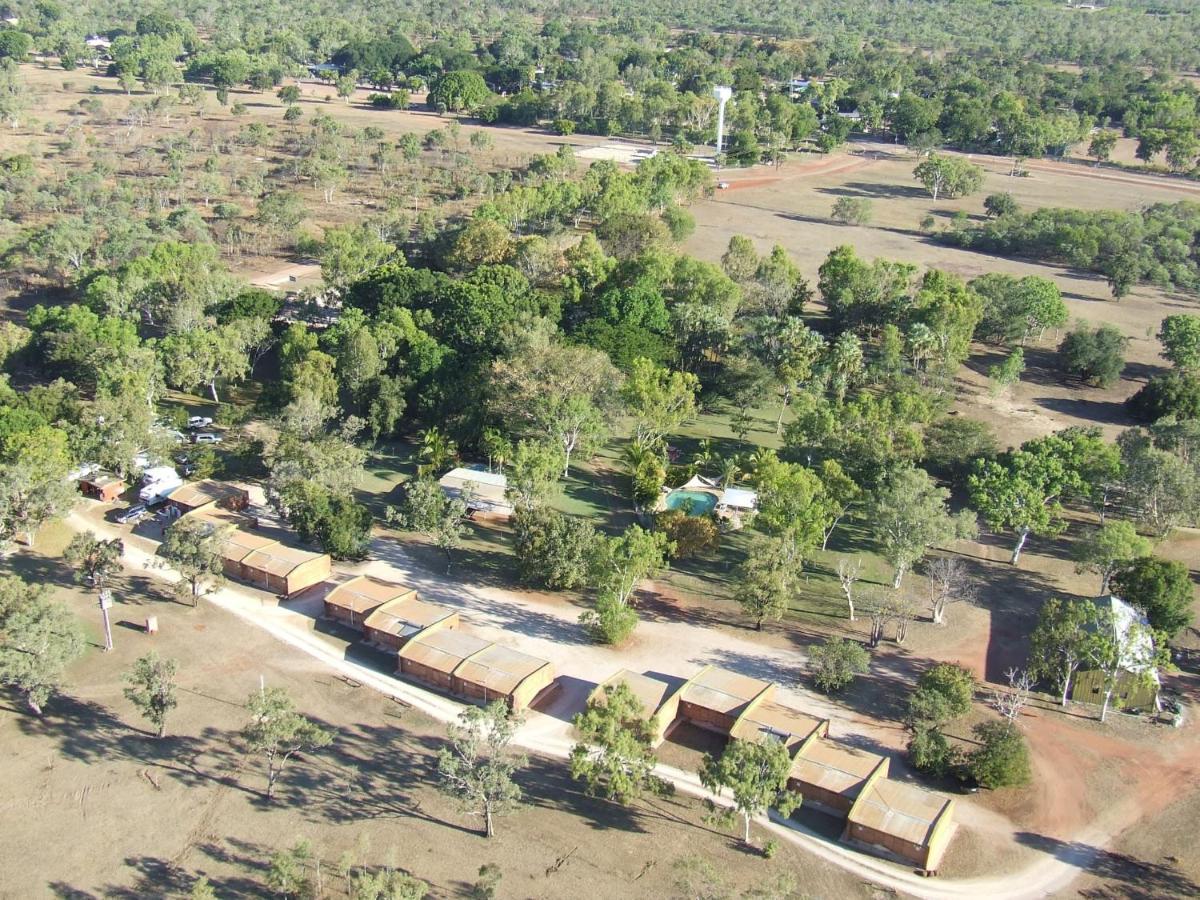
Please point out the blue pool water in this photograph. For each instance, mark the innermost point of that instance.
(695, 503)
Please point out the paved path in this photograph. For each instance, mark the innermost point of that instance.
(549, 733)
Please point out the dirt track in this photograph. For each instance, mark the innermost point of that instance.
(1056, 747)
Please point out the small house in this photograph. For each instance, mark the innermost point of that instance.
(102, 486)
(831, 776)
(484, 490)
(205, 495)
(902, 821)
(715, 698)
(396, 622)
(352, 601)
(659, 699)
(497, 672)
(432, 658)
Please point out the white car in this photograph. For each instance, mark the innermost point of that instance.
(206, 437)
(200, 421)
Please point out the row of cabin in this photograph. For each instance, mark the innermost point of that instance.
(431, 649)
(894, 818)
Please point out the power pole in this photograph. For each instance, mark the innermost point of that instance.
(106, 602)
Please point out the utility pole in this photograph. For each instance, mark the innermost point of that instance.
(106, 602)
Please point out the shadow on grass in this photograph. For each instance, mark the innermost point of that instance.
(1137, 880)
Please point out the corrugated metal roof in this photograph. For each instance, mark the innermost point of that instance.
(499, 668)
(366, 592)
(442, 650)
(772, 720)
(487, 486)
(405, 616)
(723, 691)
(836, 768)
(201, 493)
(650, 692)
(241, 544)
(896, 808)
(277, 559)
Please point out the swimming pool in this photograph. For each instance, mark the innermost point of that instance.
(694, 503)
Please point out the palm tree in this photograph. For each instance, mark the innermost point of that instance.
(705, 456)
(731, 470)
(436, 449)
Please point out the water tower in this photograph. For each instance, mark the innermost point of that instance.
(722, 94)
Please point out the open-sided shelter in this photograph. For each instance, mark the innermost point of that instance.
(102, 486)
(395, 623)
(285, 570)
(486, 490)
(832, 776)
(659, 699)
(351, 601)
(432, 657)
(208, 494)
(714, 698)
(497, 672)
(903, 821)
(770, 720)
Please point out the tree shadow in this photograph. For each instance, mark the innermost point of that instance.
(1136, 878)
(1104, 412)
(873, 191)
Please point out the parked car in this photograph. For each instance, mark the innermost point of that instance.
(206, 437)
(132, 514)
(200, 421)
(722, 185)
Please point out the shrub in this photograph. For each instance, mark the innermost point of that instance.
(692, 535)
(931, 753)
(1002, 204)
(943, 693)
(1002, 759)
(564, 127)
(1096, 356)
(851, 211)
(680, 223)
(611, 621)
(836, 662)
(1166, 394)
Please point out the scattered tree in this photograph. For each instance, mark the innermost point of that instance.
(615, 757)
(756, 775)
(1108, 549)
(910, 515)
(477, 767)
(39, 638)
(277, 732)
(150, 686)
(193, 548)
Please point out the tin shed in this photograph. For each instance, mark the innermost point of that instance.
(501, 673)
(432, 658)
(902, 820)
